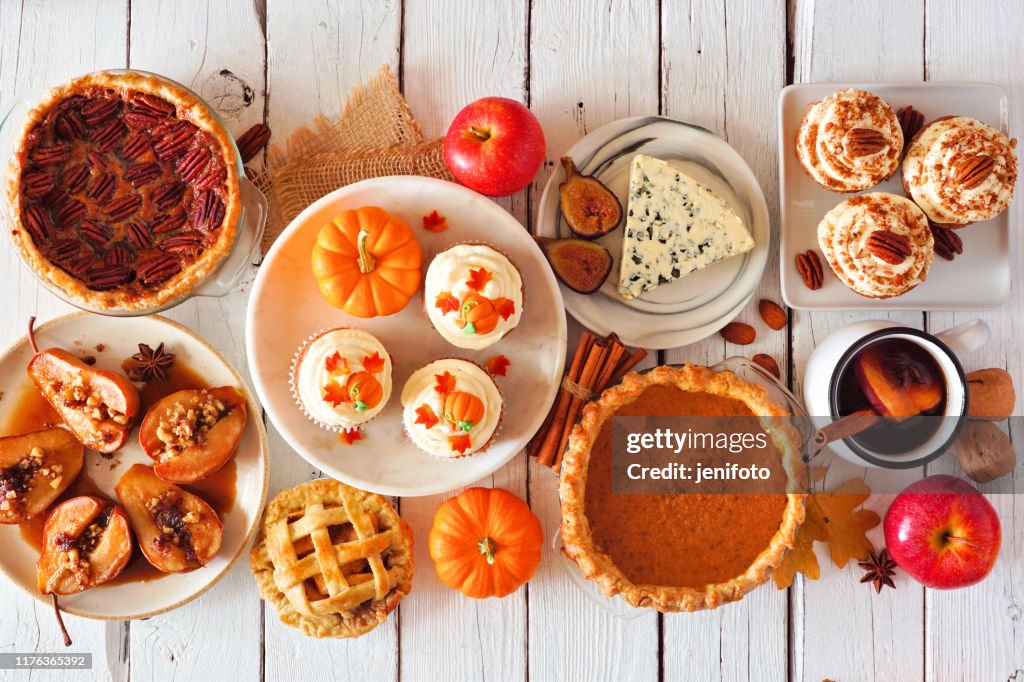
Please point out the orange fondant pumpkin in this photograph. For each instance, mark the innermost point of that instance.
(367, 262)
(364, 391)
(485, 542)
(477, 315)
(462, 409)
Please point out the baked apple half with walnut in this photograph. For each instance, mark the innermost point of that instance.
(35, 469)
(99, 406)
(191, 434)
(86, 542)
(176, 530)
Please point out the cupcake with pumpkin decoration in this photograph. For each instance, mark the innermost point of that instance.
(451, 408)
(473, 295)
(341, 378)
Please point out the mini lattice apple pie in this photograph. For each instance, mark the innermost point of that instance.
(332, 560)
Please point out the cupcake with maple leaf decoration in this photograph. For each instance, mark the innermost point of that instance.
(473, 295)
(341, 378)
(451, 408)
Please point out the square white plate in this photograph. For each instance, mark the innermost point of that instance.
(979, 279)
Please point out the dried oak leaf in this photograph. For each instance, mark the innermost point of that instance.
(832, 518)
(435, 222)
(497, 365)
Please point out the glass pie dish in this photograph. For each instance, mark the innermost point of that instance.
(213, 262)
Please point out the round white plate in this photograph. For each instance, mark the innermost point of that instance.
(695, 306)
(79, 333)
(286, 308)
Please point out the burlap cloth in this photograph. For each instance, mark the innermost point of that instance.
(375, 135)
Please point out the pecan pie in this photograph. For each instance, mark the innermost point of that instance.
(124, 190)
(677, 552)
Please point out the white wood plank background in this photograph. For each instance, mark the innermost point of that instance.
(578, 64)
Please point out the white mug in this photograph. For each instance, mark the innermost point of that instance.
(830, 362)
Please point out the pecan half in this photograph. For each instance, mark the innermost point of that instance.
(864, 142)
(166, 222)
(97, 111)
(75, 178)
(36, 183)
(911, 122)
(971, 171)
(107, 137)
(158, 269)
(69, 214)
(172, 139)
(96, 160)
(152, 105)
(208, 212)
(102, 187)
(38, 224)
(135, 146)
(211, 177)
(184, 243)
(70, 125)
(168, 195)
(142, 173)
(948, 244)
(123, 207)
(65, 252)
(252, 142)
(809, 266)
(51, 154)
(193, 163)
(141, 120)
(107, 277)
(95, 231)
(118, 254)
(138, 234)
(888, 246)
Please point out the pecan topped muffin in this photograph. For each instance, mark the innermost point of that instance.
(124, 191)
(878, 244)
(850, 141)
(960, 171)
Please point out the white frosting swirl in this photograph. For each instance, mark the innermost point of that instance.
(419, 390)
(823, 143)
(843, 236)
(931, 163)
(312, 376)
(450, 271)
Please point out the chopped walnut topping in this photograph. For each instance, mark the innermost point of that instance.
(80, 395)
(16, 479)
(172, 520)
(181, 428)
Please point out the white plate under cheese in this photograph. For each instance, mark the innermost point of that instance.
(675, 225)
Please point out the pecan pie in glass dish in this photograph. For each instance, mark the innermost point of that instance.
(123, 191)
(686, 551)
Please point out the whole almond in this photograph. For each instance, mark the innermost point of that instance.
(768, 362)
(864, 142)
(772, 314)
(991, 394)
(739, 333)
(971, 171)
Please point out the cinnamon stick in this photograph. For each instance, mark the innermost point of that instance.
(587, 380)
(847, 426)
(545, 449)
(626, 366)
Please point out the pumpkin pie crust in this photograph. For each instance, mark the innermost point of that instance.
(123, 191)
(679, 552)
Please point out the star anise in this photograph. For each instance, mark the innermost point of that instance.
(150, 364)
(879, 570)
(904, 369)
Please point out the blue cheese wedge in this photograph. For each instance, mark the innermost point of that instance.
(674, 226)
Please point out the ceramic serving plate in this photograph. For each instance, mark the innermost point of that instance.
(698, 305)
(286, 308)
(979, 279)
(80, 333)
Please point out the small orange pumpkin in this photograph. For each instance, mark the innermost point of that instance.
(463, 409)
(367, 262)
(477, 315)
(485, 542)
(364, 391)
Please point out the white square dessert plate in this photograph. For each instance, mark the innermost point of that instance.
(978, 279)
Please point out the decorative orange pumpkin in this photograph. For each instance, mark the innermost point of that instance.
(485, 542)
(364, 391)
(367, 262)
(477, 315)
(463, 409)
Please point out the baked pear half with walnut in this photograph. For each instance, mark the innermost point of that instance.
(191, 434)
(86, 542)
(99, 406)
(177, 531)
(35, 469)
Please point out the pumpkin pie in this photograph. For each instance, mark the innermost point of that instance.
(451, 408)
(332, 560)
(341, 378)
(473, 295)
(682, 552)
(123, 190)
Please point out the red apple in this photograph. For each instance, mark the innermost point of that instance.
(495, 146)
(943, 532)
